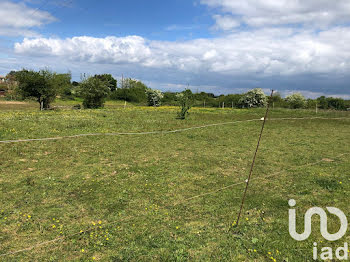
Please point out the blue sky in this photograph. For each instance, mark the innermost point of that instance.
(219, 46)
(158, 20)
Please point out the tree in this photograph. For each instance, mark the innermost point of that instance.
(322, 102)
(296, 100)
(169, 98)
(185, 99)
(230, 100)
(75, 83)
(131, 91)
(108, 78)
(336, 103)
(311, 103)
(94, 92)
(154, 97)
(41, 85)
(253, 98)
(63, 83)
(278, 101)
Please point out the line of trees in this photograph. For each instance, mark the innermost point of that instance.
(44, 86)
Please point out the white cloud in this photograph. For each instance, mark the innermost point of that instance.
(225, 22)
(17, 19)
(256, 13)
(264, 52)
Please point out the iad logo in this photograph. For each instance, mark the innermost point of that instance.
(323, 224)
(326, 252)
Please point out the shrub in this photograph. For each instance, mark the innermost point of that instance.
(311, 103)
(185, 100)
(169, 98)
(94, 92)
(336, 103)
(296, 100)
(154, 97)
(131, 91)
(253, 98)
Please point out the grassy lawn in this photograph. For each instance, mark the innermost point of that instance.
(129, 197)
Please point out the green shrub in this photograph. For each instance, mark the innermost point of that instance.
(336, 103)
(131, 91)
(94, 92)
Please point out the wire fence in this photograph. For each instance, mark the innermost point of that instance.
(166, 131)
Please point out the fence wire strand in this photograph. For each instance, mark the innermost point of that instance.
(166, 131)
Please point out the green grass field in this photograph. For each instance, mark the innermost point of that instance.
(130, 197)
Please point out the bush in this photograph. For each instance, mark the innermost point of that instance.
(154, 97)
(131, 91)
(296, 100)
(229, 100)
(169, 98)
(253, 98)
(336, 103)
(94, 92)
(185, 100)
(311, 103)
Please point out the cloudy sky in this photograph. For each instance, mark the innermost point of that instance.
(219, 46)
